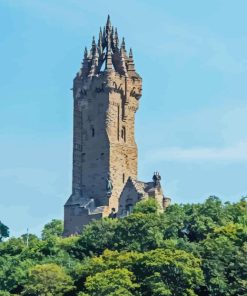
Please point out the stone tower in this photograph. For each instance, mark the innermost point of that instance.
(106, 95)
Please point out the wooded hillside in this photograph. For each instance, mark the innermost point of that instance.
(191, 249)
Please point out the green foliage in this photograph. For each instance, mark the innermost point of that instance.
(4, 293)
(112, 282)
(54, 228)
(16, 258)
(147, 206)
(134, 228)
(13, 273)
(224, 265)
(95, 238)
(121, 234)
(4, 231)
(47, 280)
(178, 270)
(155, 270)
(191, 249)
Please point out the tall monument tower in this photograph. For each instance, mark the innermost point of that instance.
(106, 95)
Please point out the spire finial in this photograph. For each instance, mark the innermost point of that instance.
(131, 54)
(131, 65)
(108, 63)
(84, 67)
(108, 23)
(116, 38)
(108, 26)
(123, 64)
(85, 52)
(116, 33)
(93, 46)
(123, 44)
(100, 39)
(93, 42)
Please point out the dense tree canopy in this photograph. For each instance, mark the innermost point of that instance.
(47, 280)
(54, 228)
(191, 249)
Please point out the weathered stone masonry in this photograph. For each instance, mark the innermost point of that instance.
(106, 95)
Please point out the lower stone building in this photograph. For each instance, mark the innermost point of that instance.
(135, 191)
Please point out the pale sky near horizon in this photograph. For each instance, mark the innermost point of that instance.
(191, 124)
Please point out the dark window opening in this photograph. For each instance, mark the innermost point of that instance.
(93, 132)
(118, 122)
(123, 133)
(123, 178)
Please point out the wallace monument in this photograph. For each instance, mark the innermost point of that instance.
(106, 93)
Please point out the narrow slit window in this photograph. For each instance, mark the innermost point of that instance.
(123, 133)
(118, 120)
(93, 132)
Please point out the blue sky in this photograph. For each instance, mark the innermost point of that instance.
(191, 124)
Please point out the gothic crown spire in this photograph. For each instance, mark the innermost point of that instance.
(106, 55)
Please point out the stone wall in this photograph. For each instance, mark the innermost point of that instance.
(121, 132)
(75, 218)
(104, 140)
(106, 94)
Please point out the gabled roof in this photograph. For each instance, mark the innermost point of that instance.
(142, 187)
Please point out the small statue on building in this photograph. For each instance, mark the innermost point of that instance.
(109, 186)
(113, 213)
(156, 179)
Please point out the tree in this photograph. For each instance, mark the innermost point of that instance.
(147, 206)
(159, 272)
(196, 221)
(95, 238)
(47, 280)
(14, 273)
(112, 282)
(53, 228)
(224, 261)
(139, 232)
(4, 231)
(168, 272)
